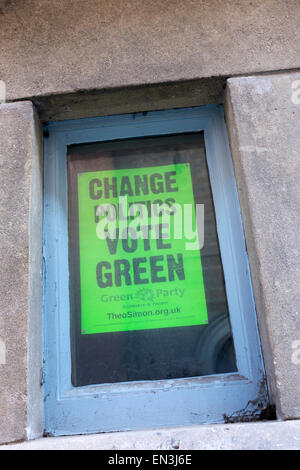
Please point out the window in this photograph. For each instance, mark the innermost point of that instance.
(150, 323)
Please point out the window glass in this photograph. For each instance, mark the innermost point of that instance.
(146, 302)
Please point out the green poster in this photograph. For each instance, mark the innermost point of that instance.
(137, 271)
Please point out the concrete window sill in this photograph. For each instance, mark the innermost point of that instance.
(268, 435)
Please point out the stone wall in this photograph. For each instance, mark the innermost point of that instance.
(20, 273)
(82, 58)
(263, 115)
(67, 46)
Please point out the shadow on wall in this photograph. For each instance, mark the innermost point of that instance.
(4, 4)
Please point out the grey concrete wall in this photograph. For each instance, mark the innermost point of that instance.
(263, 115)
(20, 272)
(64, 46)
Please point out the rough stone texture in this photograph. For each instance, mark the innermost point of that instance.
(20, 272)
(250, 436)
(263, 115)
(65, 46)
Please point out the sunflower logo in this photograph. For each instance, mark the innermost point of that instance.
(145, 295)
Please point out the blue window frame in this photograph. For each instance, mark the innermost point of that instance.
(145, 404)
